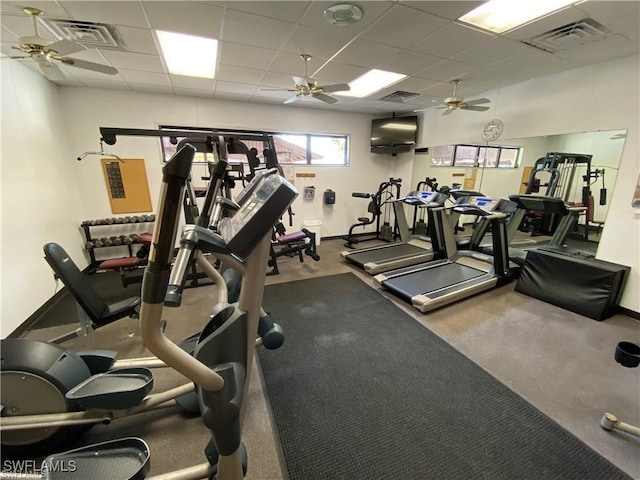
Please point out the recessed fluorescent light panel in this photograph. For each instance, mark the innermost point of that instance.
(501, 15)
(371, 82)
(189, 55)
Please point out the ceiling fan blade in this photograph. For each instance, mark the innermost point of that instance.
(292, 99)
(338, 87)
(477, 101)
(301, 82)
(448, 111)
(474, 108)
(52, 71)
(65, 47)
(95, 67)
(324, 98)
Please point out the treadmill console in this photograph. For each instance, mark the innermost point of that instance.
(421, 198)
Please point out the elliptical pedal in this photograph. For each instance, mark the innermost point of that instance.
(118, 389)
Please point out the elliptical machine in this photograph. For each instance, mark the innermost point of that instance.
(221, 364)
(379, 200)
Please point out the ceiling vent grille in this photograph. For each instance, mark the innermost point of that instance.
(569, 36)
(399, 96)
(89, 34)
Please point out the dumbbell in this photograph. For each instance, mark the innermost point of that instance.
(116, 241)
(109, 221)
(126, 240)
(134, 238)
(106, 242)
(97, 243)
(88, 245)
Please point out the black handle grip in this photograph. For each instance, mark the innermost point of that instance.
(361, 195)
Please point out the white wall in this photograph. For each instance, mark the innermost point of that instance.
(583, 99)
(40, 198)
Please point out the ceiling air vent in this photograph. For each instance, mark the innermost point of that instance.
(399, 96)
(569, 36)
(89, 34)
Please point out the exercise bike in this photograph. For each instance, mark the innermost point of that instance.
(221, 363)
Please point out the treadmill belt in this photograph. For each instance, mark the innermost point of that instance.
(385, 254)
(430, 279)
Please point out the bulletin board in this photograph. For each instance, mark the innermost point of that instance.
(127, 185)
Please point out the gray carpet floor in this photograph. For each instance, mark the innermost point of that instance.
(560, 362)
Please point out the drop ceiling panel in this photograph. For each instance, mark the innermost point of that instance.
(445, 89)
(231, 73)
(490, 52)
(113, 12)
(98, 83)
(134, 61)
(403, 27)
(340, 72)
(147, 88)
(316, 42)
(233, 87)
(447, 70)
(277, 80)
(193, 83)
(149, 78)
(366, 54)
(244, 55)
(292, 64)
(288, 11)
(451, 10)
(185, 17)
(409, 62)
(609, 47)
(49, 8)
(21, 26)
(451, 40)
(187, 92)
(138, 40)
(240, 27)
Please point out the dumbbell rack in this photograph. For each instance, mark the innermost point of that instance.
(87, 225)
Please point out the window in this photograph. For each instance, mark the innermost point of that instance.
(475, 156)
(291, 148)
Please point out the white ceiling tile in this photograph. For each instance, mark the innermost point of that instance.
(188, 92)
(22, 26)
(613, 46)
(233, 87)
(193, 83)
(412, 84)
(241, 27)
(366, 54)
(447, 70)
(402, 26)
(138, 40)
(149, 78)
(145, 87)
(292, 64)
(451, 40)
(315, 42)
(7, 35)
(185, 17)
(48, 8)
(493, 51)
(445, 89)
(339, 72)
(409, 62)
(231, 73)
(288, 11)
(244, 55)
(604, 12)
(277, 80)
(134, 61)
(450, 9)
(97, 83)
(112, 12)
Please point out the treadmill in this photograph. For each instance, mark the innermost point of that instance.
(463, 273)
(411, 250)
(552, 206)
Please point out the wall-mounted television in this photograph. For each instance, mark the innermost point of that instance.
(394, 135)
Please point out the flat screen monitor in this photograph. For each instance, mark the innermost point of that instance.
(397, 134)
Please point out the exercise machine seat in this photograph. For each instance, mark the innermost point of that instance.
(89, 300)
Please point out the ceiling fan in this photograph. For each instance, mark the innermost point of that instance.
(47, 53)
(454, 103)
(305, 86)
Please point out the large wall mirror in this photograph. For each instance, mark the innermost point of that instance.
(604, 147)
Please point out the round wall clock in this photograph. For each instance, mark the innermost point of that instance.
(492, 130)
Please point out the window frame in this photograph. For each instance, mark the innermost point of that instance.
(450, 161)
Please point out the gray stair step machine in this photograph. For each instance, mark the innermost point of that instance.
(411, 250)
(461, 274)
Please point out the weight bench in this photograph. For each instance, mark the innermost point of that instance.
(93, 311)
(129, 263)
(292, 244)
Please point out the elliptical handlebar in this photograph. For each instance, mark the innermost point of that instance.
(156, 276)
